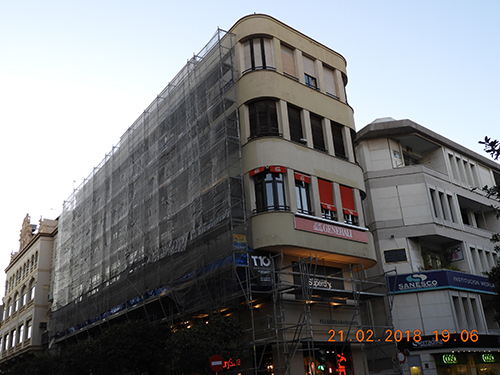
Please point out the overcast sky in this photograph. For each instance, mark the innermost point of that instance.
(74, 75)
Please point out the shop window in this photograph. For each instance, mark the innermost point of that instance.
(317, 133)
(328, 209)
(258, 54)
(338, 140)
(310, 72)
(263, 118)
(302, 183)
(288, 60)
(347, 197)
(270, 189)
(295, 124)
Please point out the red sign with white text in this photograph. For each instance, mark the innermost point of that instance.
(316, 226)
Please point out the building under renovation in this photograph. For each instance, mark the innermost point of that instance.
(235, 192)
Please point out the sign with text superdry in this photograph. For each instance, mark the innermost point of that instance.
(439, 279)
(316, 226)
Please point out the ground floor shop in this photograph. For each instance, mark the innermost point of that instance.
(454, 363)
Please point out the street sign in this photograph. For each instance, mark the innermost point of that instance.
(216, 363)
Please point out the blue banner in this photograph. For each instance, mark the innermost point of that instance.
(438, 279)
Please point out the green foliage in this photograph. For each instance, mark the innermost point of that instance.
(134, 347)
(191, 348)
(492, 147)
(139, 347)
(494, 277)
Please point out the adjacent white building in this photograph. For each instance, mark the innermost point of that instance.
(432, 226)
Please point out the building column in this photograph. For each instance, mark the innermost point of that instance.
(327, 131)
(306, 121)
(340, 85)
(283, 122)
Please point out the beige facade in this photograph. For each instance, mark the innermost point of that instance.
(26, 300)
(432, 225)
(303, 187)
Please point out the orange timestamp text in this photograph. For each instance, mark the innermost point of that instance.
(398, 335)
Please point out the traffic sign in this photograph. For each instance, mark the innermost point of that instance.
(216, 363)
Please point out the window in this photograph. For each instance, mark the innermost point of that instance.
(302, 192)
(16, 302)
(288, 61)
(21, 333)
(29, 328)
(258, 54)
(311, 81)
(310, 72)
(328, 209)
(295, 123)
(347, 197)
(270, 189)
(263, 118)
(395, 256)
(13, 338)
(443, 204)
(31, 290)
(317, 133)
(434, 203)
(23, 296)
(452, 207)
(330, 86)
(338, 140)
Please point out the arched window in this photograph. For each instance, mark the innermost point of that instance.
(9, 308)
(31, 292)
(28, 266)
(36, 258)
(16, 302)
(24, 293)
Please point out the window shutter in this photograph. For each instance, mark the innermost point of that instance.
(277, 169)
(326, 195)
(269, 53)
(288, 61)
(257, 53)
(309, 67)
(347, 196)
(303, 177)
(330, 81)
(247, 56)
